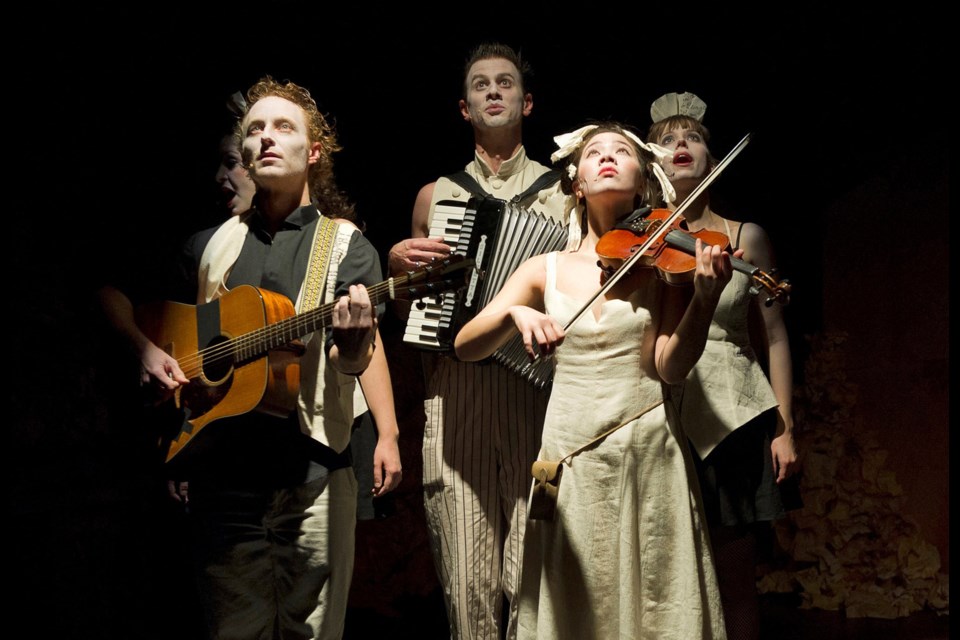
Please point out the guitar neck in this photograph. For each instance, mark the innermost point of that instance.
(255, 343)
(430, 280)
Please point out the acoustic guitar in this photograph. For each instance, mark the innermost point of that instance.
(241, 351)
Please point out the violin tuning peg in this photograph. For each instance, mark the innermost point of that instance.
(753, 291)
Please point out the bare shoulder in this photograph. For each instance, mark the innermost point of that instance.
(534, 264)
(420, 221)
(426, 193)
(533, 272)
(755, 244)
(752, 232)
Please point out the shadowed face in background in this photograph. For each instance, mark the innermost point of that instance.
(236, 187)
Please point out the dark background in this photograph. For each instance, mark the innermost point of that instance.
(136, 98)
(114, 115)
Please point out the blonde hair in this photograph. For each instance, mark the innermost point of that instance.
(323, 187)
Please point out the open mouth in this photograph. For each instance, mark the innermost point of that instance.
(227, 195)
(682, 159)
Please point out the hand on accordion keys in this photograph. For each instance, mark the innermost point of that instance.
(412, 253)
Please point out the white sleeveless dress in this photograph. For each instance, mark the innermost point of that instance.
(627, 555)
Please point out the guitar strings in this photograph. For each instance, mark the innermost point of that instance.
(253, 343)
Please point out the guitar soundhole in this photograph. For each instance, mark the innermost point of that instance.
(218, 363)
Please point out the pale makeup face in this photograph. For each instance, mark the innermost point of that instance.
(276, 142)
(494, 95)
(236, 187)
(690, 154)
(609, 163)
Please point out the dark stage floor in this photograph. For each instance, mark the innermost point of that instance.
(782, 619)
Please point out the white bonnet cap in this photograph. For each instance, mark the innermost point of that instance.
(678, 104)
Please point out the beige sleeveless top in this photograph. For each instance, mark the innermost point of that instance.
(727, 388)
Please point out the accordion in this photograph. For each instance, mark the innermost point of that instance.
(499, 236)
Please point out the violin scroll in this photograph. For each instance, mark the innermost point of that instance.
(777, 290)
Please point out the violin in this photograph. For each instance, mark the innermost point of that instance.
(672, 251)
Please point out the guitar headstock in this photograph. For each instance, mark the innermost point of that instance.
(776, 290)
(438, 276)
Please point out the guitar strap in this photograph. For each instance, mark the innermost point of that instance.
(318, 265)
(318, 287)
(341, 243)
(547, 473)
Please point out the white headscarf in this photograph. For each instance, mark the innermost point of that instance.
(568, 144)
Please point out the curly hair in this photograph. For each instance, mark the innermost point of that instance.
(650, 191)
(332, 202)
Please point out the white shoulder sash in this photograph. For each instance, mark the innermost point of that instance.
(219, 256)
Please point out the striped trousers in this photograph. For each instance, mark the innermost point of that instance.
(481, 435)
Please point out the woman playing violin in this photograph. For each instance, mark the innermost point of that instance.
(625, 554)
(740, 424)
